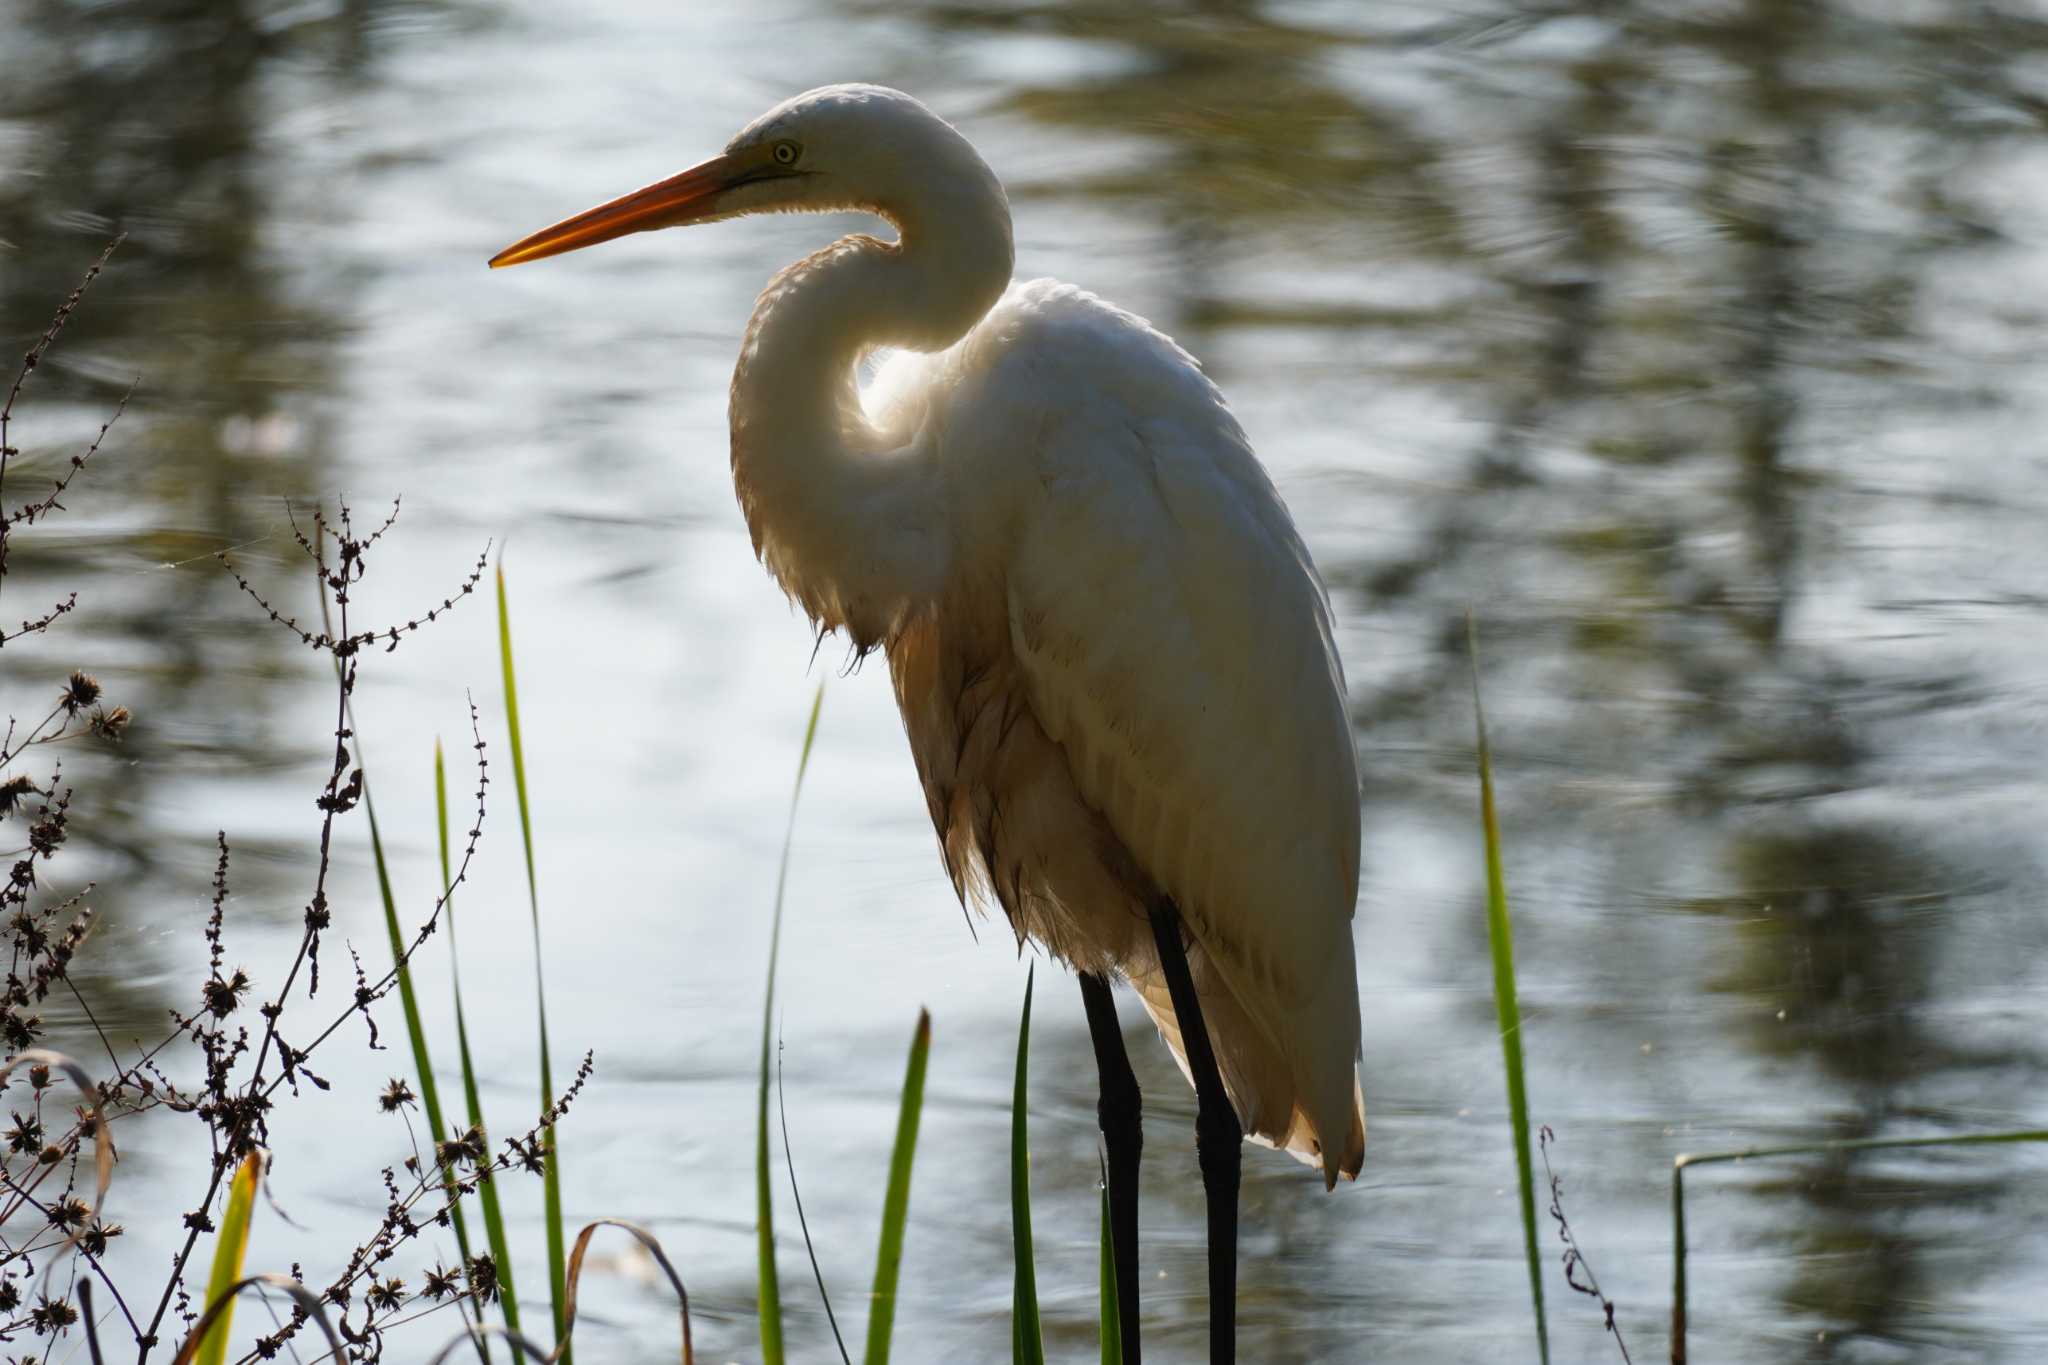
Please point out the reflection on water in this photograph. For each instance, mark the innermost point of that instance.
(1839, 934)
(159, 121)
(1695, 348)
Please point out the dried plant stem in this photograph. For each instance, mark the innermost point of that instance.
(1575, 1259)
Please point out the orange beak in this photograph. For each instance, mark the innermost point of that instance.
(683, 198)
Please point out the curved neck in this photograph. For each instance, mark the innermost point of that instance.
(854, 531)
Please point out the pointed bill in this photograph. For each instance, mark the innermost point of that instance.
(683, 198)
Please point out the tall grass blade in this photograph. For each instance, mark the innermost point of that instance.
(764, 1195)
(551, 1170)
(521, 1345)
(222, 1304)
(89, 1320)
(896, 1203)
(228, 1253)
(487, 1185)
(653, 1247)
(1027, 1344)
(1112, 1319)
(796, 1196)
(1501, 940)
(416, 1034)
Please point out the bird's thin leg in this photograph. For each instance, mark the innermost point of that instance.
(1123, 1138)
(1218, 1136)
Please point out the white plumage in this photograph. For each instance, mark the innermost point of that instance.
(1112, 652)
(1132, 688)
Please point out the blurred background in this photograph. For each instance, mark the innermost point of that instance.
(1693, 347)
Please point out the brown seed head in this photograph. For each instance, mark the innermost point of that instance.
(80, 691)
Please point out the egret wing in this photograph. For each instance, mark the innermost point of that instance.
(1177, 645)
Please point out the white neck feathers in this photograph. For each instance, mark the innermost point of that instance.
(855, 532)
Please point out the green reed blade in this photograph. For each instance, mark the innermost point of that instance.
(764, 1199)
(1112, 1319)
(228, 1253)
(415, 1032)
(1501, 940)
(1026, 1340)
(551, 1171)
(896, 1203)
(487, 1185)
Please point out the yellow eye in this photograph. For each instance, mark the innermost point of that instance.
(786, 153)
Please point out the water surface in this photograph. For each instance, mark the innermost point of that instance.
(1693, 350)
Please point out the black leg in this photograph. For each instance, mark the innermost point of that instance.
(1218, 1137)
(1123, 1138)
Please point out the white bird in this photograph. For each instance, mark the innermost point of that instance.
(1112, 652)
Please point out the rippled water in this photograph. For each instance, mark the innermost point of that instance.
(1694, 348)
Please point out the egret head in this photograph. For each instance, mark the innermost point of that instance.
(838, 147)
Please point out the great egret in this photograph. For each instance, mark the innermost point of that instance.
(1111, 650)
